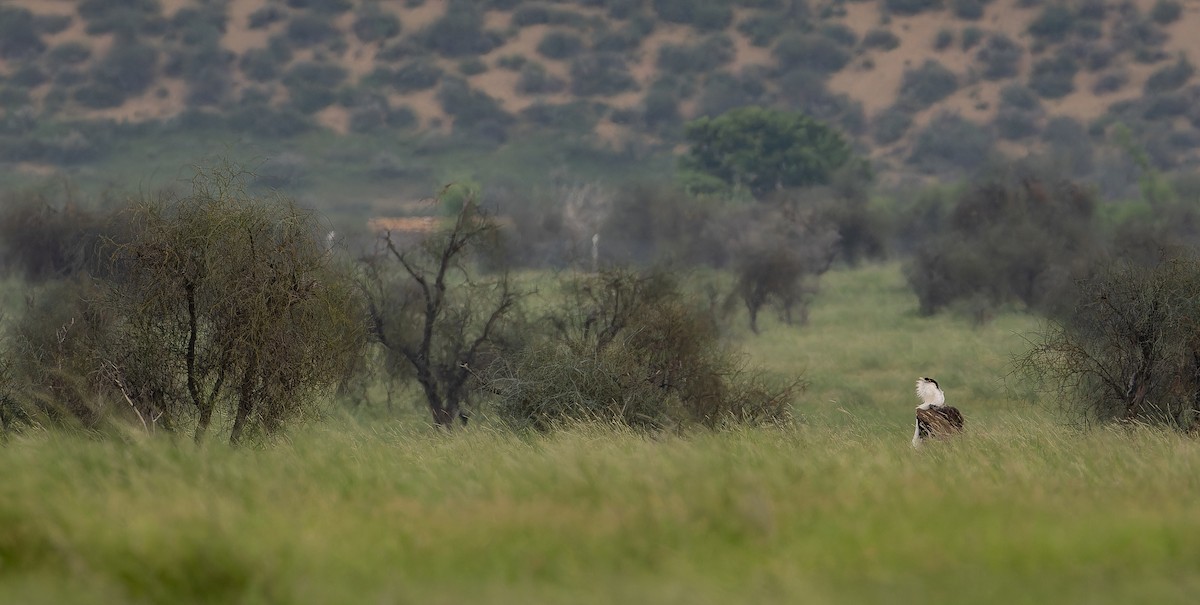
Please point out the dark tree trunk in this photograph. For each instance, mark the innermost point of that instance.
(245, 404)
(202, 423)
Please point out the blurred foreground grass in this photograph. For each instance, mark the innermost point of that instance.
(1014, 512)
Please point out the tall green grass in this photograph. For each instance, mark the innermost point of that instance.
(1014, 512)
(837, 508)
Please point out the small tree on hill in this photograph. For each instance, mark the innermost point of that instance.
(434, 315)
(764, 149)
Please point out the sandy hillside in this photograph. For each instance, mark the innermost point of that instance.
(872, 78)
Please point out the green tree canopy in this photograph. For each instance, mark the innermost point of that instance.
(763, 150)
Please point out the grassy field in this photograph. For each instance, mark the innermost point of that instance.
(835, 509)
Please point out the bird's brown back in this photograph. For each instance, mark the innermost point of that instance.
(939, 421)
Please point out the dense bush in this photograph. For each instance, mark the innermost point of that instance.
(1166, 106)
(473, 110)
(459, 32)
(259, 64)
(262, 120)
(560, 45)
(68, 53)
(373, 25)
(951, 143)
(125, 18)
(52, 24)
(534, 80)
(44, 236)
(839, 32)
(943, 39)
(1110, 82)
(1097, 57)
(660, 108)
(703, 14)
(882, 39)
(1015, 124)
(704, 56)
(328, 7)
(99, 95)
(971, 37)
(132, 67)
(416, 75)
(1166, 12)
(1001, 57)
(926, 85)
(1054, 77)
(265, 16)
(723, 91)
(890, 125)
(1137, 33)
(576, 116)
(1013, 237)
(512, 62)
(19, 38)
(1054, 23)
(1019, 97)
(911, 7)
(807, 91)
(325, 75)
(540, 14)
(762, 29)
(306, 30)
(810, 51)
(1069, 143)
(630, 349)
(311, 86)
(970, 10)
(472, 66)
(28, 75)
(601, 74)
(1170, 78)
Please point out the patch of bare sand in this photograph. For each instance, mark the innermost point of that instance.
(37, 169)
(170, 7)
(335, 118)
(746, 53)
(497, 20)
(1185, 33)
(425, 104)
(415, 18)
(239, 38)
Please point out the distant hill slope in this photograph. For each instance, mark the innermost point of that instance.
(924, 85)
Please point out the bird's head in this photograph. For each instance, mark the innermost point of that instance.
(930, 393)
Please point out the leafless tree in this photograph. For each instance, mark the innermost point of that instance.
(434, 314)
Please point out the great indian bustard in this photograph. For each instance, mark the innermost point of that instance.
(934, 417)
